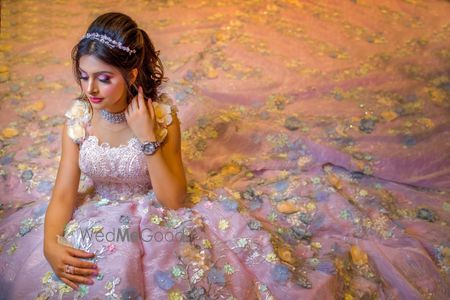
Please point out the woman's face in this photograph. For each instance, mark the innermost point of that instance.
(103, 84)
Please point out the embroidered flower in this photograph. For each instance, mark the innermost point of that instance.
(197, 276)
(97, 228)
(111, 248)
(47, 277)
(177, 271)
(198, 221)
(174, 221)
(175, 295)
(262, 287)
(228, 269)
(82, 291)
(280, 273)
(110, 286)
(216, 276)
(26, 226)
(63, 289)
(243, 242)
(102, 202)
(163, 280)
(197, 293)
(271, 257)
(224, 224)
(155, 219)
(229, 204)
(125, 220)
(71, 227)
(254, 225)
(206, 244)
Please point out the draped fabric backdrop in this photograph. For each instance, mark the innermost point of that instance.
(334, 112)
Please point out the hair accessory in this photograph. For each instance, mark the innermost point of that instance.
(104, 39)
(115, 118)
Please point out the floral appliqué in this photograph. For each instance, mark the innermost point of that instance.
(77, 116)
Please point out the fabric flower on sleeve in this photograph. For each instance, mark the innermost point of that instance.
(77, 117)
(164, 109)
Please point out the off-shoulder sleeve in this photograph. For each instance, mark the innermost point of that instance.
(77, 117)
(164, 110)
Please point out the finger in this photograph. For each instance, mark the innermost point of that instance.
(83, 271)
(132, 105)
(140, 98)
(69, 283)
(78, 279)
(151, 109)
(72, 261)
(80, 253)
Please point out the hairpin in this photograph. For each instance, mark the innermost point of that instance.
(104, 39)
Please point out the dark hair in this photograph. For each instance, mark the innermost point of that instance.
(122, 28)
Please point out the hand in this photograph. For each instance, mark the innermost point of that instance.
(141, 118)
(60, 256)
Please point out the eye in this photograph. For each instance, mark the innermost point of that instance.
(83, 76)
(104, 79)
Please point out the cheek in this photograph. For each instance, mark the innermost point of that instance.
(84, 86)
(114, 90)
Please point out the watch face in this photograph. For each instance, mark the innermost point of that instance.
(149, 148)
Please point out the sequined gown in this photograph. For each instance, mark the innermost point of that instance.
(143, 250)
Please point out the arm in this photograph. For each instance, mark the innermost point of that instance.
(63, 200)
(59, 213)
(165, 168)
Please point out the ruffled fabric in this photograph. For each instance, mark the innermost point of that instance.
(164, 110)
(80, 113)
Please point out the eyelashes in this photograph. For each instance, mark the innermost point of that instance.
(104, 79)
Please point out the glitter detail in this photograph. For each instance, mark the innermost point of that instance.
(115, 118)
(106, 40)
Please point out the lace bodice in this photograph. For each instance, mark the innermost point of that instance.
(117, 172)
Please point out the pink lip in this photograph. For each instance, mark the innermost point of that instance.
(95, 100)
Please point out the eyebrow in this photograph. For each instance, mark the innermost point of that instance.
(100, 72)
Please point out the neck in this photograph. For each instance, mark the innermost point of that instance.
(115, 111)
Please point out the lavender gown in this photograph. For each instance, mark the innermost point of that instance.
(143, 250)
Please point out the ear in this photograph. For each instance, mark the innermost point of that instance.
(133, 75)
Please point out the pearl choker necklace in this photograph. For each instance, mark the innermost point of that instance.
(115, 118)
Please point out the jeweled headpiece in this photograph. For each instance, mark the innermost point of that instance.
(104, 39)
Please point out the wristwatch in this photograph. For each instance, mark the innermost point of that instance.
(148, 148)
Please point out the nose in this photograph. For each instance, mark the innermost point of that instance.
(92, 87)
